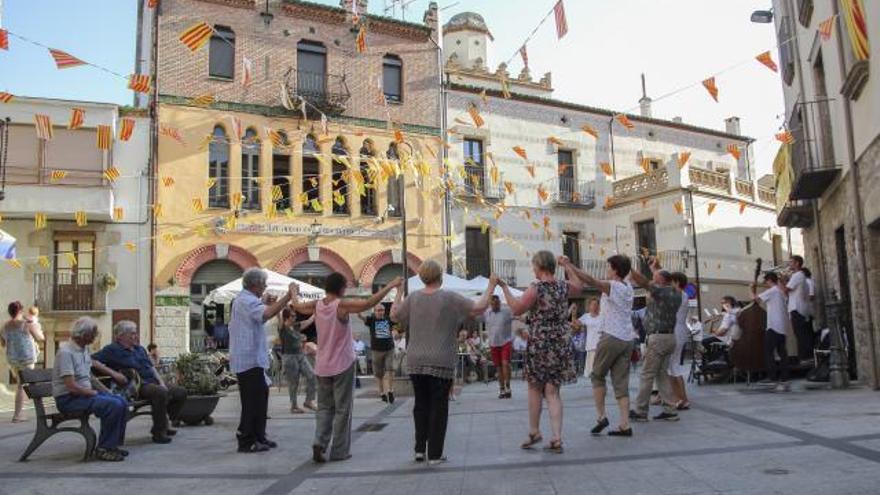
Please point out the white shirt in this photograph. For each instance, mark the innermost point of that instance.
(499, 325)
(615, 311)
(400, 344)
(592, 325)
(247, 335)
(811, 293)
(729, 325)
(777, 316)
(359, 346)
(682, 332)
(798, 293)
(520, 344)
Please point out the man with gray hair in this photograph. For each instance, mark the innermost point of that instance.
(249, 360)
(126, 353)
(73, 389)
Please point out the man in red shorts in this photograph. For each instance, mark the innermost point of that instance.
(499, 326)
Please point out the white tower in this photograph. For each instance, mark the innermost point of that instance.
(465, 40)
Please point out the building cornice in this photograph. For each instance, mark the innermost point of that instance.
(310, 11)
(241, 4)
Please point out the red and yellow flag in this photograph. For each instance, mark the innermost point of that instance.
(126, 128)
(196, 36)
(130, 246)
(167, 181)
(679, 207)
(646, 165)
(521, 152)
(77, 118)
(57, 175)
(625, 122)
(197, 205)
(43, 261)
(606, 169)
(590, 130)
(43, 126)
(204, 100)
(361, 42)
(734, 151)
(111, 174)
(767, 59)
(711, 208)
(711, 87)
(5, 97)
(742, 207)
(531, 170)
(139, 83)
(475, 115)
(105, 137)
(4, 40)
(152, 4)
(543, 195)
(118, 213)
(508, 186)
(554, 140)
(40, 221)
(853, 12)
(683, 158)
(826, 27)
(785, 137)
(247, 72)
(82, 218)
(172, 132)
(64, 60)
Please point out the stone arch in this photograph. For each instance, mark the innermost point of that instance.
(382, 258)
(330, 258)
(201, 255)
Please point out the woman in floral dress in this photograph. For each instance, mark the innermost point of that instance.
(548, 359)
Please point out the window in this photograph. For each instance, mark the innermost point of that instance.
(394, 184)
(477, 253)
(73, 288)
(311, 68)
(473, 166)
(311, 176)
(571, 247)
(340, 180)
(281, 172)
(473, 152)
(748, 245)
(565, 170)
(646, 237)
(786, 50)
(250, 170)
(221, 53)
(218, 169)
(654, 165)
(368, 194)
(392, 78)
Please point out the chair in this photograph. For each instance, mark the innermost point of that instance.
(38, 386)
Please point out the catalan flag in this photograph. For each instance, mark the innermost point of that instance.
(853, 12)
(711, 208)
(606, 168)
(118, 213)
(236, 201)
(338, 198)
(4, 40)
(742, 207)
(172, 132)
(230, 222)
(625, 122)
(57, 175)
(111, 174)
(277, 193)
(169, 239)
(561, 23)
(531, 170)
(139, 83)
(157, 210)
(494, 174)
(167, 181)
(39, 221)
(554, 140)
(196, 36)
(711, 87)
(105, 136)
(679, 207)
(13, 262)
(361, 42)
(734, 151)
(126, 128)
(683, 158)
(521, 152)
(5, 97)
(210, 183)
(475, 115)
(508, 186)
(198, 205)
(646, 165)
(82, 218)
(767, 60)
(609, 202)
(785, 137)
(274, 137)
(130, 246)
(543, 195)
(204, 100)
(247, 72)
(43, 261)
(590, 130)
(826, 27)
(43, 126)
(64, 60)
(77, 118)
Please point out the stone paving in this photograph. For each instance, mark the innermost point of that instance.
(735, 440)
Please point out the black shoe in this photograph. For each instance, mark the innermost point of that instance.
(268, 443)
(161, 439)
(665, 416)
(318, 454)
(170, 432)
(384, 397)
(391, 397)
(502, 395)
(600, 425)
(253, 448)
(643, 418)
(621, 433)
(122, 452)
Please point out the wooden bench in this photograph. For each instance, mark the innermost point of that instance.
(38, 386)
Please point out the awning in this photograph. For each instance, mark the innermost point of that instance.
(7, 246)
(276, 284)
(468, 288)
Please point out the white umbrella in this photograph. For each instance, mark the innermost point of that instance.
(467, 288)
(480, 283)
(276, 284)
(7, 246)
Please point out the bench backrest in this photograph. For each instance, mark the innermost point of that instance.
(37, 383)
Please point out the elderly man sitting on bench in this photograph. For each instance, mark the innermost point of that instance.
(126, 353)
(73, 391)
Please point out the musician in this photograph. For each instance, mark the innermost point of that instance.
(798, 292)
(774, 338)
(728, 331)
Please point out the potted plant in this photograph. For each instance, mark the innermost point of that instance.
(108, 282)
(196, 373)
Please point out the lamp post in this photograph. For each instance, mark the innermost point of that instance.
(699, 285)
(838, 361)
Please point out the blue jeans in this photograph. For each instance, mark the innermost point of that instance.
(111, 409)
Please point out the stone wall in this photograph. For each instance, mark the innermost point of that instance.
(172, 321)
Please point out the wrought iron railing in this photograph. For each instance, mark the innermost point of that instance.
(475, 183)
(327, 92)
(575, 193)
(595, 268)
(66, 291)
(475, 267)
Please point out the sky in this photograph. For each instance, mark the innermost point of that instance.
(676, 43)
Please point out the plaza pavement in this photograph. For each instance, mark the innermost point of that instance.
(735, 440)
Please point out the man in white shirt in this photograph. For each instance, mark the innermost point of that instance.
(798, 292)
(499, 326)
(774, 338)
(592, 324)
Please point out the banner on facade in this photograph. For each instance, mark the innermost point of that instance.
(307, 230)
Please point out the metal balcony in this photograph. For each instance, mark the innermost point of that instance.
(63, 292)
(575, 194)
(812, 153)
(503, 268)
(476, 184)
(796, 214)
(326, 92)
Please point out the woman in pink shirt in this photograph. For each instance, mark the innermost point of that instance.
(334, 364)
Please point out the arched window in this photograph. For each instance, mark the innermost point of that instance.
(394, 183)
(221, 57)
(392, 78)
(311, 175)
(368, 194)
(250, 170)
(281, 171)
(218, 169)
(340, 179)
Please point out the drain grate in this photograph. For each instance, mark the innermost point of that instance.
(372, 427)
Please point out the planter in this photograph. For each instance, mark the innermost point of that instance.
(198, 409)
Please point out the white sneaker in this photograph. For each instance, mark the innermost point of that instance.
(783, 387)
(434, 462)
(420, 457)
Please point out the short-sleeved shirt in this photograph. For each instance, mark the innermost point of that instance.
(682, 332)
(433, 321)
(592, 327)
(662, 309)
(119, 358)
(380, 333)
(730, 326)
(247, 335)
(499, 326)
(615, 311)
(291, 339)
(71, 360)
(579, 341)
(799, 293)
(777, 316)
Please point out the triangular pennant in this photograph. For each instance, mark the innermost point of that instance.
(711, 87)
(64, 60)
(683, 158)
(590, 130)
(767, 60)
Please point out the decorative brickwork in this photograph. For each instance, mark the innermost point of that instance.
(328, 257)
(200, 256)
(378, 260)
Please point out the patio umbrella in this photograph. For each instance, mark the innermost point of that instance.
(276, 284)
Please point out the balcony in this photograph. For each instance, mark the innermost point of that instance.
(475, 184)
(597, 269)
(812, 153)
(66, 292)
(27, 199)
(326, 92)
(575, 194)
(641, 185)
(701, 179)
(796, 214)
(503, 268)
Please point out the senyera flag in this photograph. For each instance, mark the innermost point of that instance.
(561, 23)
(4, 40)
(196, 36)
(64, 60)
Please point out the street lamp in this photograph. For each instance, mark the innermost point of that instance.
(762, 16)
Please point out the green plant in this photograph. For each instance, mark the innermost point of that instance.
(108, 282)
(195, 372)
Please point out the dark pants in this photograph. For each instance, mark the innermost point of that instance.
(775, 342)
(254, 394)
(111, 409)
(803, 330)
(164, 403)
(430, 413)
(333, 419)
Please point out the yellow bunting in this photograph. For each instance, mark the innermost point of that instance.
(554, 140)
(14, 263)
(81, 218)
(210, 183)
(734, 151)
(169, 239)
(609, 202)
(118, 213)
(316, 205)
(39, 221)
(236, 200)
(277, 193)
(167, 181)
(157, 210)
(625, 122)
(683, 158)
(646, 165)
(43, 261)
(590, 130)
(197, 205)
(303, 198)
(711, 208)
(204, 100)
(742, 207)
(711, 87)
(521, 152)
(57, 175)
(606, 168)
(338, 198)
(111, 174)
(475, 115)
(542, 193)
(679, 207)
(289, 212)
(271, 211)
(508, 186)
(230, 223)
(494, 175)
(130, 247)
(71, 258)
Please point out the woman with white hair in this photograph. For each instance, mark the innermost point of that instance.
(433, 316)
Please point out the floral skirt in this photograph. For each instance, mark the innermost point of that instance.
(549, 360)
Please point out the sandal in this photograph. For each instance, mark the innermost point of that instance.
(533, 439)
(554, 447)
(109, 455)
(682, 405)
(20, 419)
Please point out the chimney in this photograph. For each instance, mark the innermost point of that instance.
(644, 102)
(361, 5)
(732, 125)
(678, 120)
